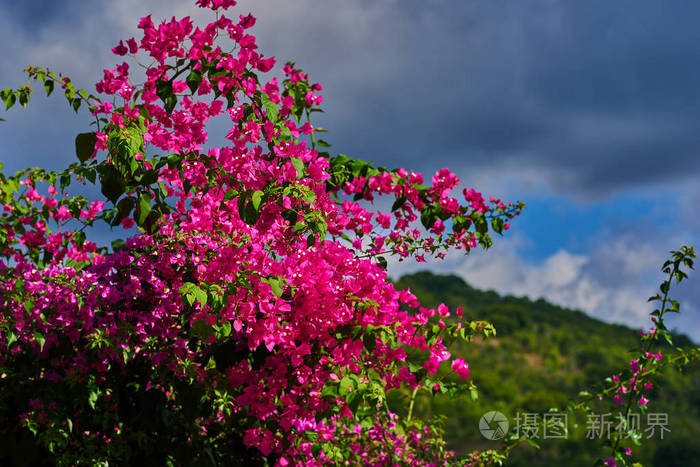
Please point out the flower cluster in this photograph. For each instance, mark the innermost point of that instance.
(251, 315)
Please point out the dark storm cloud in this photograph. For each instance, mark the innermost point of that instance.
(621, 56)
(596, 95)
(600, 95)
(33, 14)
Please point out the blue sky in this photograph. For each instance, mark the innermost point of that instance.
(587, 111)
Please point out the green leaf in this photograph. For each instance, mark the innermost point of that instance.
(480, 223)
(345, 384)
(192, 292)
(249, 214)
(354, 399)
(256, 199)
(193, 80)
(174, 160)
(323, 143)
(65, 181)
(277, 284)
(230, 98)
(9, 98)
(230, 194)
(48, 87)
(427, 217)
(85, 145)
(112, 183)
(330, 389)
(40, 339)
(271, 109)
(298, 165)
(164, 89)
(124, 207)
(130, 144)
(79, 238)
(118, 244)
(370, 342)
(23, 97)
(11, 339)
(497, 224)
(400, 201)
(532, 443)
(201, 328)
(143, 208)
(70, 91)
(92, 398)
(150, 225)
(358, 167)
(90, 175)
(285, 133)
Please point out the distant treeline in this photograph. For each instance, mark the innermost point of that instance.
(542, 356)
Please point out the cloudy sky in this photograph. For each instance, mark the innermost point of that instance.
(587, 111)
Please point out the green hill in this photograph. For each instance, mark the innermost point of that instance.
(542, 356)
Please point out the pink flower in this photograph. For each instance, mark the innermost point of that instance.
(120, 49)
(634, 364)
(133, 47)
(438, 227)
(179, 87)
(461, 368)
(127, 222)
(312, 99)
(643, 401)
(266, 65)
(63, 213)
(204, 87)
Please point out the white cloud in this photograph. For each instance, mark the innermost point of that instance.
(611, 283)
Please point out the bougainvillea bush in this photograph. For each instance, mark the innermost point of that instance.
(247, 317)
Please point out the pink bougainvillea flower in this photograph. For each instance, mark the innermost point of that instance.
(127, 222)
(461, 368)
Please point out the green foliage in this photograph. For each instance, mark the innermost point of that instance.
(541, 356)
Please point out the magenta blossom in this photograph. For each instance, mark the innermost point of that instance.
(461, 368)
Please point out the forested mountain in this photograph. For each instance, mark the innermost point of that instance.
(542, 356)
